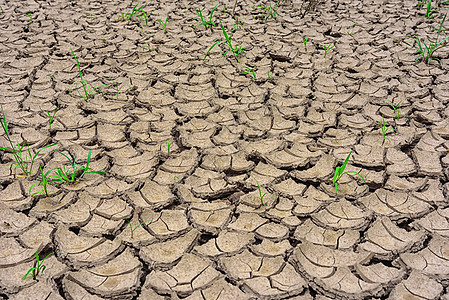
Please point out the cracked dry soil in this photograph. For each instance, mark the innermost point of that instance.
(208, 236)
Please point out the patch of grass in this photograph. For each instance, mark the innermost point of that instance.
(164, 24)
(304, 41)
(31, 17)
(260, 191)
(132, 230)
(203, 21)
(2, 9)
(38, 267)
(228, 43)
(87, 90)
(271, 11)
(25, 165)
(384, 129)
(339, 172)
(51, 118)
(43, 183)
(149, 47)
(426, 53)
(250, 70)
(350, 33)
(134, 12)
(269, 76)
(327, 48)
(395, 108)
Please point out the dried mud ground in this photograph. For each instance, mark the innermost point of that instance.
(208, 236)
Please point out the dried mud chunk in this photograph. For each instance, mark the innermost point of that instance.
(77, 214)
(166, 253)
(166, 224)
(206, 184)
(386, 240)
(191, 273)
(417, 286)
(433, 194)
(229, 242)
(432, 260)
(436, 222)
(152, 195)
(14, 223)
(342, 215)
(273, 231)
(40, 290)
(247, 222)
(138, 167)
(197, 133)
(286, 283)
(379, 273)
(81, 251)
(270, 248)
(220, 290)
(294, 157)
(109, 187)
(428, 162)
(246, 265)
(12, 253)
(319, 172)
(341, 239)
(119, 276)
(210, 217)
(75, 291)
(398, 163)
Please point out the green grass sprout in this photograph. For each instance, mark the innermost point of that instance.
(236, 51)
(38, 267)
(168, 148)
(2, 9)
(87, 90)
(31, 17)
(339, 172)
(51, 118)
(132, 230)
(429, 9)
(63, 177)
(384, 128)
(250, 70)
(260, 191)
(25, 165)
(149, 47)
(350, 33)
(223, 10)
(427, 54)
(269, 76)
(164, 24)
(326, 49)
(134, 12)
(43, 183)
(270, 10)
(202, 20)
(304, 41)
(395, 108)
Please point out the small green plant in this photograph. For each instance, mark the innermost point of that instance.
(223, 10)
(236, 51)
(87, 91)
(119, 88)
(43, 183)
(37, 267)
(25, 165)
(149, 47)
(168, 148)
(339, 172)
(2, 9)
(164, 24)
(63, 177)
(202, 20)
(429, 9)
(132, 230)
(269, 76)
(384, 129)
(250, 70)
(304, 41)
(350, 33)
(260, 191)
(31, 17)
(270, 10)
(134, 12)
(427, 54)
(51, 118)
(326, 49)
(395, 107)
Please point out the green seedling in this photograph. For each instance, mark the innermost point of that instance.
(149, 47)
(43, 183)
(168, 148)
(384, 129)
(63, 177)
(2, 9)
(269, 76)
(350, 33)
(223, 10)
(51, 118)
(270, 10)
(132, 230)
(164, 24)
(20, 162)
(236, 51)
(395, 107)
(251, 70)
(260, 191)
(176, 177)
(87, 91)
(202, 20)
(119, 88)
(38, 267)
(326, 49)
(339, 172)
(31, 17)
(304, 41)
(429, 9)
(427, 54)
(128, 16)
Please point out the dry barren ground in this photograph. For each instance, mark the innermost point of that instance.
(219, 185)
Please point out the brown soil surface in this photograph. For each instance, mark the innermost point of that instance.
(206, 234)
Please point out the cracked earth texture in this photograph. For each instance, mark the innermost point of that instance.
(208, 236)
